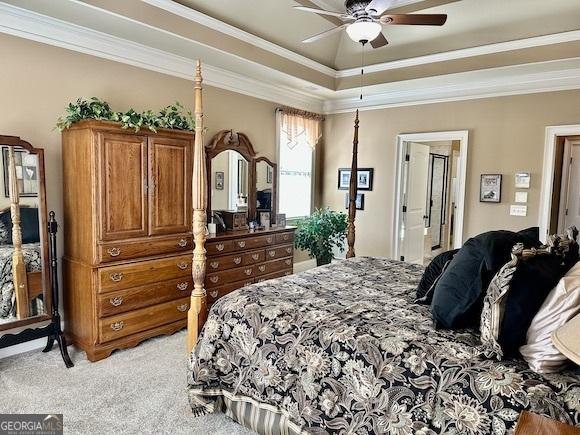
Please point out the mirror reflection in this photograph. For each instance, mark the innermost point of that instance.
(230, 182)
(264, 186)
(21, 283)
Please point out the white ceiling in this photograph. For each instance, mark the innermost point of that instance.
(471, 23)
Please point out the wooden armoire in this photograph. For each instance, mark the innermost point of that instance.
(127, 233)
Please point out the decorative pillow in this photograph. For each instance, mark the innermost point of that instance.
(514, 297)
(458, 295)
(432, 274)
(561, 305)
(28, 222)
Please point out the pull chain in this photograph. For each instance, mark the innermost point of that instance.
(362, 70)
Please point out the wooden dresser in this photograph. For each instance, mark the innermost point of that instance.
(239, 258)
(127, 231)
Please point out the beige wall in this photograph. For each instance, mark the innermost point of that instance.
(506, 135)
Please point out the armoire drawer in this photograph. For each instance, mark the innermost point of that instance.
(287, 237)
(218, 279)
(216, 293)
(109, 252)
(122, 325)
(273, 266)
(225, 262)
(131, 299)
(145, 272)
(278, 274)
(279, 252)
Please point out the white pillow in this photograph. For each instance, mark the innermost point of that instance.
(561, 305)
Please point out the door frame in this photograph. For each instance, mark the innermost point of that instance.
(547, 190)
(463, 137)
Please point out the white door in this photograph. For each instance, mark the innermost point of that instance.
(572, 198)
(413, 234)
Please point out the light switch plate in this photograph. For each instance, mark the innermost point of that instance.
(522, 197)
(518, 210)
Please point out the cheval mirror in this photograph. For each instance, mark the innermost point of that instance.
(28, 280)
(240, 182)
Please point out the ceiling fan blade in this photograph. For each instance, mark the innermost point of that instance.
(324, 34)
(377, 7)
(323, 12)
(380, 41)
(415, 19)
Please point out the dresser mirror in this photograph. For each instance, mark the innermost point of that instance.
(266, 185)
(230, 181)
(25, 295)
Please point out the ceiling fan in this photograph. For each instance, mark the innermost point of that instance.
(364, 18)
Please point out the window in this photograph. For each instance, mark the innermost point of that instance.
(297, 137)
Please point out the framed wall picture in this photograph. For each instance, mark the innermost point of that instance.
(26, 173)
(365, 178)
(360, 201)
(490, 188)
(219, 181)
(523, 180)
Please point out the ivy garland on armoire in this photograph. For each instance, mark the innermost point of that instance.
(174, 117)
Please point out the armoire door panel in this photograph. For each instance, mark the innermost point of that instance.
(122, 161)
(170, 186)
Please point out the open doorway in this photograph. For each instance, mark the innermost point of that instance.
(430, 195)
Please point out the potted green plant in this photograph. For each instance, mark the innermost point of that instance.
(320, 233)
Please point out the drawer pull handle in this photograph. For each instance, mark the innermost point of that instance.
(237, 260)
(242, 244)
(214, 279)
(262, 268)
(114, 252)
(182, 286)
(214, 294)
(288, 262)
(182, 243)
(288, 250)
(117, 326)
(116, 301)
(286, 237)
(116, 277)
(214, 264)
(248, 272)
(183, 308)
(288, 274)
(183, 265)
(220, 247)
(272, 253)
(255, 257)
(248, 283)
(269, 239)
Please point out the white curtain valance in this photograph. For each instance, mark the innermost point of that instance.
(298, 125)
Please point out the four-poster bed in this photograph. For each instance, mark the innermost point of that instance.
(343, 349)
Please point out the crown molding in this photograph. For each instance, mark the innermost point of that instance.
(40, 28)
(220, 26)
(530, 78)
(500, 47)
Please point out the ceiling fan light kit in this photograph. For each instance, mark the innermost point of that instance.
(364, 31)
(364, 19)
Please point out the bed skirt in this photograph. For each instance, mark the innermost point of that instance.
(260, 417)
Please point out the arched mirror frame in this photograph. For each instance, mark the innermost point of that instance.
(15, 141)
(274, 183)
(227, 140)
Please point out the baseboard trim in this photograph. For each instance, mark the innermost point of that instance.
(303, 266)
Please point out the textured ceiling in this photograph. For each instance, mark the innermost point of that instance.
(471, 23)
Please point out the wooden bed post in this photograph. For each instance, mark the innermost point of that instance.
(352, 192)
(196, 314)
(19, 277)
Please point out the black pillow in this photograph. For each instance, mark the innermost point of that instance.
(458, 295)
(531, 283)
(432, 272)
(28, 222)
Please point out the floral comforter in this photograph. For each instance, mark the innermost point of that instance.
(342, 349)
(33, 262)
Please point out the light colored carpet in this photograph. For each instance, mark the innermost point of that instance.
(135, 391)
